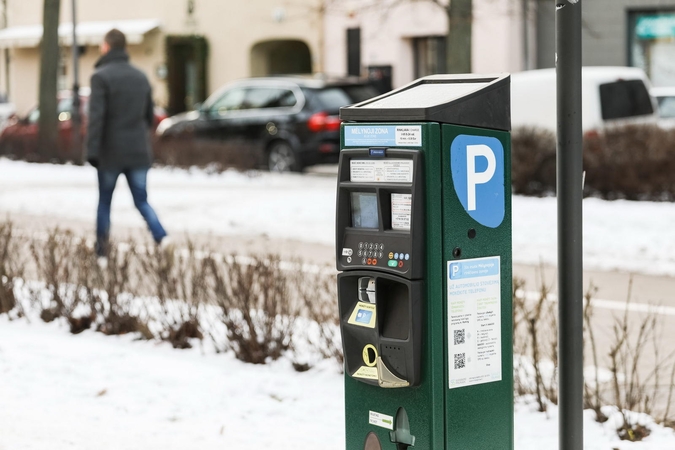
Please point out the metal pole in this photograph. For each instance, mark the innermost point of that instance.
(570, 192)
(75, 115)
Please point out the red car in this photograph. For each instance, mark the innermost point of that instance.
(19, 138)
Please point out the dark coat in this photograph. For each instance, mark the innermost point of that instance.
(121, 114)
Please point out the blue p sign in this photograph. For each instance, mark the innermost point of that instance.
(477, 166)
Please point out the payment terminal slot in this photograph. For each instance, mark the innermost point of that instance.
(380, 320)
(380, 211)
(380, 251)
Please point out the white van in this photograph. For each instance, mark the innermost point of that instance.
(610, 96)
(665, 96)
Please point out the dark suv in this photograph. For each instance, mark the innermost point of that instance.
(282, 124)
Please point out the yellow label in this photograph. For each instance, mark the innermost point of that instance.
(369, 373)
(367, 355)
(363, 315)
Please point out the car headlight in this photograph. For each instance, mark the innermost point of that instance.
(163, 126)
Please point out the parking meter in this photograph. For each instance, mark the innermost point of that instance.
(423, 250)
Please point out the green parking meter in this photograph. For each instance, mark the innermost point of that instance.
(423, 250)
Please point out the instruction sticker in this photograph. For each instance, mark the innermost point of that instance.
(368, 373)
(474, 321)
(401, 208)
(383, 135)
(381, 420)
(382, 171)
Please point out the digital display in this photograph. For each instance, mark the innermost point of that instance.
(364, 210)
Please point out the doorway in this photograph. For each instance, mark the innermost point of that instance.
(187, 69)
(280, 57)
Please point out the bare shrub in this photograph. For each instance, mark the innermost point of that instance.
(53, 262)
(186, 151)
(632, 162)
(180, 285)
(317, 292)
(636, 383)
(533, 161)
(112, 302)
(634, 389)
(252, 297)
(11, 267)
(593, 388)
(535, 335)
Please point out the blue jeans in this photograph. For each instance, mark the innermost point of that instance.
(137, 180)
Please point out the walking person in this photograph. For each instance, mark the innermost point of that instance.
(121, 114)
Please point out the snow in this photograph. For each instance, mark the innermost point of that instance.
(67, 392)
(624, 235)
(61, 391)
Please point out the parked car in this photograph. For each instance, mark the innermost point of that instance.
(282, 124)
(611, 96)
(665, 96)
(19, 138)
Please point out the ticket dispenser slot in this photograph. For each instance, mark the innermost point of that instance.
(380, 225)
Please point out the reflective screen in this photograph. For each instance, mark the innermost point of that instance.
(364, 210)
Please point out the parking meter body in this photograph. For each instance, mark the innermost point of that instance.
(423, 250)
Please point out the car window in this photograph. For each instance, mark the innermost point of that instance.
(625, 98)
(667, 107)
(269, 97)
(231, 100)
(338, 96)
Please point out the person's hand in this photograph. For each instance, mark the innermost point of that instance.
(93, 162)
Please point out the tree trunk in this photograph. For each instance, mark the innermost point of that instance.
(459, 36)
(49, 66)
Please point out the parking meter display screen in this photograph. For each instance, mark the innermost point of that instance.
(364, 210)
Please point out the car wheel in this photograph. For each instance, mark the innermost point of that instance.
(281, 158)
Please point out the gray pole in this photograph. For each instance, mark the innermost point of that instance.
(570, 192)
(75, 115)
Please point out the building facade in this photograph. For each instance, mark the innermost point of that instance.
(638, 33)
(188, 48)
(403, 40)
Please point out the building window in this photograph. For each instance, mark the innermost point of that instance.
(652, 44)
(430, 55)
(62, 74)
(354, 52)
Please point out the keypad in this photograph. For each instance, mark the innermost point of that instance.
(370, 253)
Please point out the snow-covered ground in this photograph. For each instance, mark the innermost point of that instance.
(65, 392)
(632, 236)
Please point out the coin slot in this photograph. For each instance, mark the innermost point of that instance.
(370, 355)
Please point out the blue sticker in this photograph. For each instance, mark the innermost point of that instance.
(363, 316)
(366, 136)
(477, 166)
(473, 268)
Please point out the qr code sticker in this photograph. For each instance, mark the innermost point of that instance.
(460, 336)
(460, 360)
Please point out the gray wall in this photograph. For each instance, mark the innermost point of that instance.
(605, 36)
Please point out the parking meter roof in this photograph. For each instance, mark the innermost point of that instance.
(467, 99)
